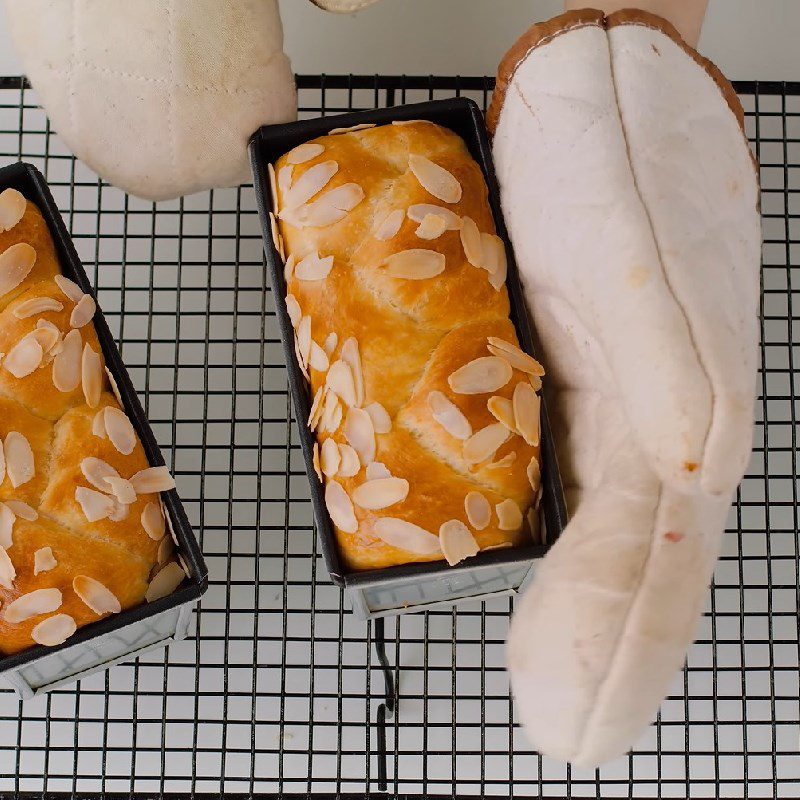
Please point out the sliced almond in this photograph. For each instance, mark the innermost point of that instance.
(119, 511)
(502, 410)
(517, 358)
(457, 542)
(304, 340)
(114, 388)
(351, 356)
(360, 434)
(503, 463)
(360, 127)
(153, 521)
(329, 459)
(36, 305)
(481, 376)
(316, 409)
(315, 461)
(23, 510)
(381, 421)
(350, 464)
(44, 560)
(313, 268)
(332, 413)
(380, 493)
(120, 431)
(333, 206)
(25, 357)
(12, 208)
(317, 358)
(499, 263)
(273, 186)
(293, 309)
(69, 288)
(122, 489)
(376, 470)
(288, 272)
(152, 480)
(436, 180)
(7, 570)
(95, 470)
(165, 550)
(165, 582)
(340, 507)
(95, 505)
(2, 462)
(331, 340)
(273, 226)
(492, 251)
(67, 364)
(415, 264)
(33, 604)
(389, 226)
(534, 473)
(479, 512)
(526, 412)
(508, 515)
(95, 595)
(7, 520)
(299, 357)
(99, 424)
(54, 630)
(83, 313)
(483, 444)
(304, 152)
(432, 227)
(311, 182)
(16, 263)
(419, 211)
(536, 382)
(406, 536)
(449, 416)
(19, 459)
(91, 376)
(47, 335)
(341, 381)
(471, 242)
(285, 179)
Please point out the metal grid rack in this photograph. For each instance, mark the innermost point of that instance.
(288, 696)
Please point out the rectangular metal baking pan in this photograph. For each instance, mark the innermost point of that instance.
(412, 587)
(126, 635)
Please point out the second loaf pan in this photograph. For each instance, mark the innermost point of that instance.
(411, 587)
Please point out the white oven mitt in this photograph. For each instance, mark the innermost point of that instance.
(631, 199)
(159, 97)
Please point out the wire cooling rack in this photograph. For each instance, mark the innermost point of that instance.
(280, 690)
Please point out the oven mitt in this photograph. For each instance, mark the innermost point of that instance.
(158, 97)
(631, 199)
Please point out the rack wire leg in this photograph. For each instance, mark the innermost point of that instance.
(386, 708)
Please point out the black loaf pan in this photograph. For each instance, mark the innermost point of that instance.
(117, 636)
(410, 587)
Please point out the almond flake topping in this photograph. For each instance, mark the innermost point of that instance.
(333, 206)
(293, 309)
(502, 410)
(153, 521)
(96, 471)
(95, 595)
(332, 414)
(471, 242)
(285, 179)
(91, 376)
(419, 211)
(360, 434)
(340, 507)
(316, 409)
(12, 209)
(483, 444)
(481, 375)
(503, 463)
(381, 421)
(273, 226)
(479, 512)
(534, 473)
(315, 460)
(47, 335)
(44, 560)
(362, 126)
(165, 581)
(67, 364)
(313, 268)
(25, 357)
(508, 515)
(526, 412)
(95, 505)
(311, 182)
(449, 416)
(165, 550)
(288, 268)
(7, 570)
(376, 470)
(19, 459)
(329, 458)
(99, 424)
(16, 263)
(114, 388)
(406, 536)
(36, 305)
(304, 340)
(23, 510)
(351, 356)
(152, 480)
(331, 340)
(516, 357)
(350, 465)
(318, 358)
(54, 630)
(457, 542)
(2, 462)
(33, 604)
(304, 152)
(389, 225)
(83, 312)
(432, 227)
(69, 288)
(415, 264)
(341, 381)
(496, 260)
(435, 179)
(119, 430)
(122, 489)
(7, 520)
(380, 493)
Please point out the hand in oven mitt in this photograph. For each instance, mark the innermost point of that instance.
(159, 97)
(631, 198)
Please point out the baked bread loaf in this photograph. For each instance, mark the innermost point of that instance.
(82, 531)
(425, 409)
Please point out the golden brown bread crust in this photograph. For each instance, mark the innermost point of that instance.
(58, 427)
(541, 33)
(411, 334)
